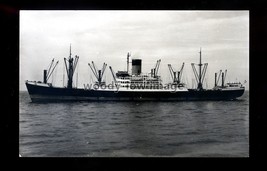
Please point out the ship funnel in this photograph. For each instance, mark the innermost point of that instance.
(136, 66)
(45, 76)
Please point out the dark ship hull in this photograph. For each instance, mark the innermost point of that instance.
(40, 93)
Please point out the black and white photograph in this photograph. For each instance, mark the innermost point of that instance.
(134, 83)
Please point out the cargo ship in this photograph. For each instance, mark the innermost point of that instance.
(132, 86)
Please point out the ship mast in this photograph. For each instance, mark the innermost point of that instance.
(98, 73)
(176, 78)
(128, 55)
(154, 71)
(70, 68)
(199, 86)
(201, 74)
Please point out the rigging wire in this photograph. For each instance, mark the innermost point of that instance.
(47, 68)
(91, 78)
(54, 76)
(105, 78)
(63, 74)
(207, 76)
(77, 74)
(186, 77)
(52, 79)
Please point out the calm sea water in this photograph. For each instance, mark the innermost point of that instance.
(134, 129)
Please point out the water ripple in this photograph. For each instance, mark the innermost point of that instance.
(128, 129)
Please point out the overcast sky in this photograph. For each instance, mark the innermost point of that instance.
(106, 36)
